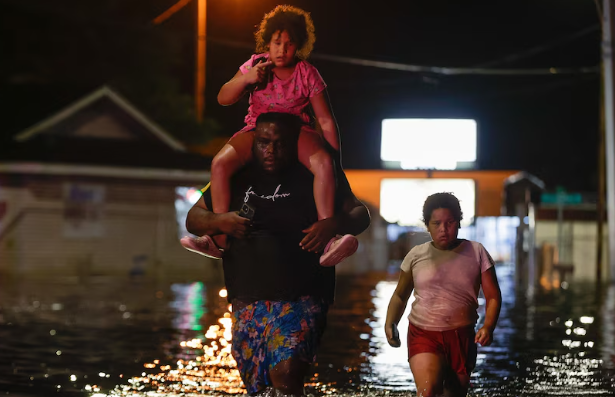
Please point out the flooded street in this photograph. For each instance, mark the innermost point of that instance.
(280, 134)
(133, 337)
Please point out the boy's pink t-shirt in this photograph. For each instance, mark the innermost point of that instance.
(286, 96)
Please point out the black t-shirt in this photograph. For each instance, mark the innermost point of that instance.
(270, 264)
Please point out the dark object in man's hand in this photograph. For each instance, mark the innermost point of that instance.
(246, 211)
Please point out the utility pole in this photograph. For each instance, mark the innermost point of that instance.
(601, 189)
(201, 56)
(608, 18)
(201, 50)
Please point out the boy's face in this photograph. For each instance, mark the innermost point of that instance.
(443, 228)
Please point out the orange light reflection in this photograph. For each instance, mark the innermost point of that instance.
(212, 369)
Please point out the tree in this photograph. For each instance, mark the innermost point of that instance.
(80, 46)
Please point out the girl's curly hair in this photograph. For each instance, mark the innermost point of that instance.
(295, 21)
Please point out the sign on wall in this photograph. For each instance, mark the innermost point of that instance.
(83, 210)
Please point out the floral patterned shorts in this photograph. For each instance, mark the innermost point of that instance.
(266, 333)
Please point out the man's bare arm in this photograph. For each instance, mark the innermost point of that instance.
(201, 221)
(354, 218)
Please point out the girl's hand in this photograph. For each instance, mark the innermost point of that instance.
(258, 73)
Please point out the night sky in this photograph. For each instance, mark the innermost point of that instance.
(54, 52)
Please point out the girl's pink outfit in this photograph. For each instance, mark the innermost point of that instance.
(285, 96)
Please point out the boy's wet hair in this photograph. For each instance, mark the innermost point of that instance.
(442, 200)
(293, 20)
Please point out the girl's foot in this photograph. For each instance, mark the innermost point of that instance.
(202, 245)
(338, 249)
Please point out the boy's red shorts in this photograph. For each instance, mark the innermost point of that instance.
(457, 346)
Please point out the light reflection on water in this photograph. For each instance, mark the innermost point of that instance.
(127, 338)
(205, 363)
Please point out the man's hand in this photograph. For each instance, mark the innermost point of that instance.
(319, 235)
(484, 336)
(234, 225)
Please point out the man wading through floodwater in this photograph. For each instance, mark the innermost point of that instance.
(279, 292)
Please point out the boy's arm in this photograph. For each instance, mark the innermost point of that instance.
(493, 298)
(397, 307)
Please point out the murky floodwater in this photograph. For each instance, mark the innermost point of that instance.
(130, 337)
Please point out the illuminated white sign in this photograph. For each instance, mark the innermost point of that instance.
(401, 200)
(442, 144)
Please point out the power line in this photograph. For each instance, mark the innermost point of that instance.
(541, 48)
(448, 71)
(534, 89)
